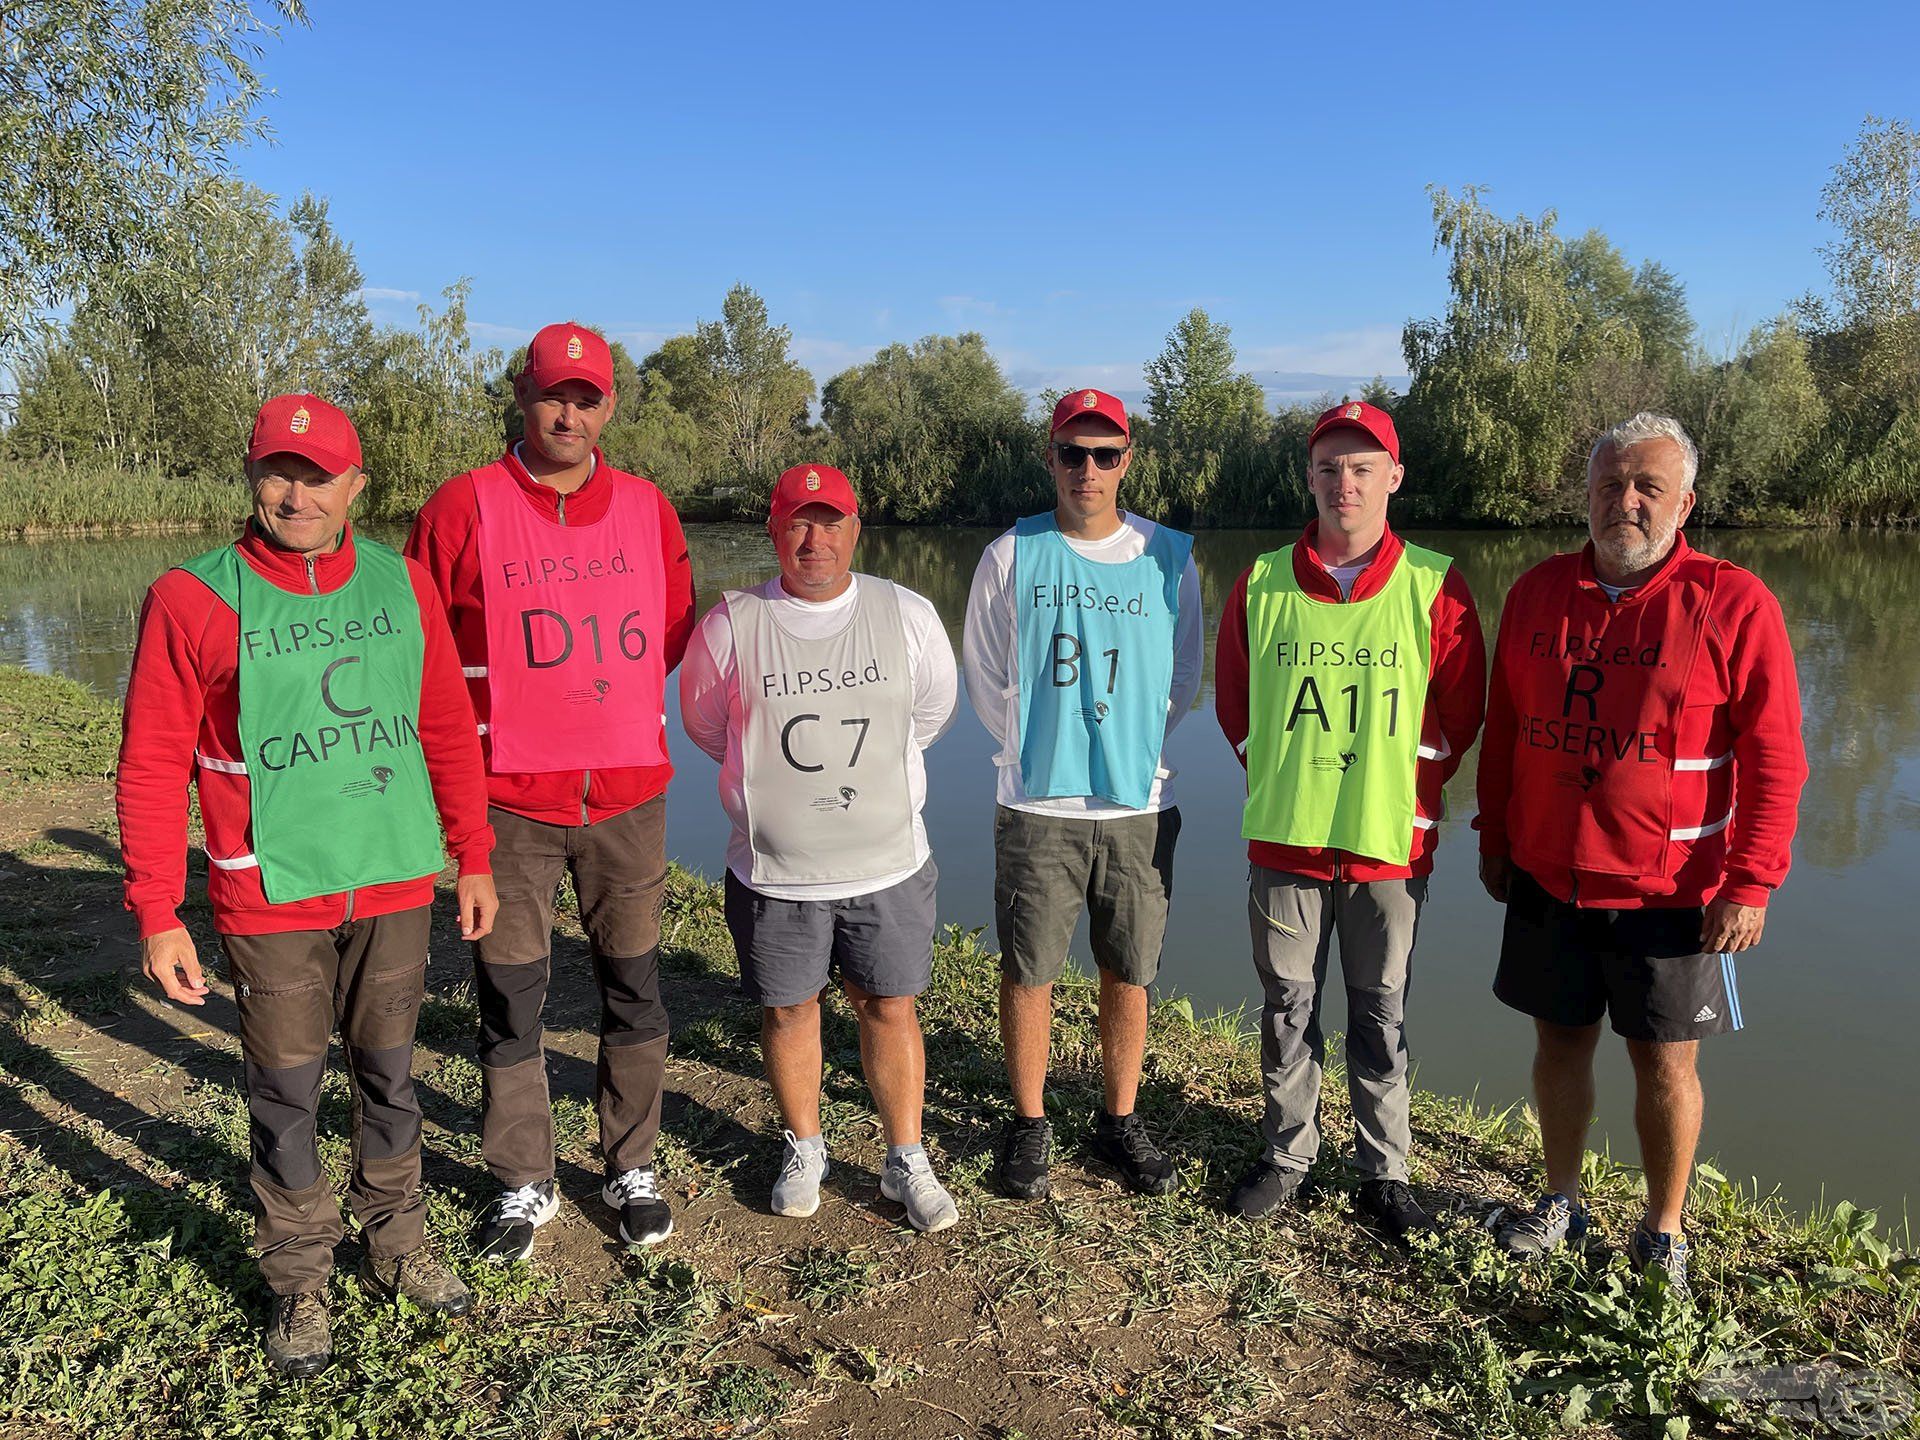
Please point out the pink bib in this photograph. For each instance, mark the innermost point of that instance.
(576, 621)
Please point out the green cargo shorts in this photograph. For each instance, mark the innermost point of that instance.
(1046, 868)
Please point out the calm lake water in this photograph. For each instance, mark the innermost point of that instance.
(1815, 1095)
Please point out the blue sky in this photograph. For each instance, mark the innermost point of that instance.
(1066, 180)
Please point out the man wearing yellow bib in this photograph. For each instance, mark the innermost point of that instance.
(1351, 679)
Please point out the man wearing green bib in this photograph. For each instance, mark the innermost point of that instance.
(306, 683)
(1351, 679)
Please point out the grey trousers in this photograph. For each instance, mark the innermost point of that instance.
(1294, 920)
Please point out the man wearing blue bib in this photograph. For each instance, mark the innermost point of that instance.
(1083, 650)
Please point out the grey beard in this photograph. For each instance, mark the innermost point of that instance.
(1629, 556)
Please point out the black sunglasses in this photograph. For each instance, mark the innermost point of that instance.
(1106, 457)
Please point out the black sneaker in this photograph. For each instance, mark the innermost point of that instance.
(645, 1219)
(1026, 1149)
(299, 1340)
(1123, 1142)
(1266, 1188)
(1391, 1203)
(505, 1232)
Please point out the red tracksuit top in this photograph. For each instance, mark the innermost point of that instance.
(445, 540)
(1644, 752)
(1456, 703)
(184, 695)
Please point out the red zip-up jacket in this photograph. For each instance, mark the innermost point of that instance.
(1456, 703)
(1596, 766)
(184, 697)
(446, 541)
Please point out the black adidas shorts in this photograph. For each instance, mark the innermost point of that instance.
(1570, 966)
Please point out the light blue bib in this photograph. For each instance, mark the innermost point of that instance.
(1096, 663)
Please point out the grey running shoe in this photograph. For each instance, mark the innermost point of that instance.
(909, 1179)
(803, 1165)
(505, 1232)
(1657, 1250)
(419, 1277)
(645, 1218)
(299, 1340)
(1553, 1220)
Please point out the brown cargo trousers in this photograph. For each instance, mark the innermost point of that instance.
(619, 869)
(367, 976)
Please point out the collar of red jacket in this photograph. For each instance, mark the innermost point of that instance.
(584, 506)
(1309, 570)
(1653, 583)
(288, 568)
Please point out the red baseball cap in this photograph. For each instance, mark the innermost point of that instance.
(1370, 420)
(305, 425)
(811, 485)
(569, 352)
(1089, 402)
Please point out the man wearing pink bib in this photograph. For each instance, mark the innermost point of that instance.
(571, 598)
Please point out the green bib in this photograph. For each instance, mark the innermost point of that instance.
(329, 704)
(1335, 707)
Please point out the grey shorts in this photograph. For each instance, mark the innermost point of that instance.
(790, 949)
(1047, 868)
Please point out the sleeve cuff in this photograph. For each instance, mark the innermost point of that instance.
(156, 920)
(1745, 893)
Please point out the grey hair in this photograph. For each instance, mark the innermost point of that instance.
(1649, 426)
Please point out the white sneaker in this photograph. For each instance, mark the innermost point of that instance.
(909, 1179)
(803, 1165)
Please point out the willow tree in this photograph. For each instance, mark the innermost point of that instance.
(1490, 407)
(113, 114)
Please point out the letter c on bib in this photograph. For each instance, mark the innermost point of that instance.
(326, 689)
(786, 743)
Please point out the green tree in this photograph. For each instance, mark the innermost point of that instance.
(113, 114)
(754, 407)
(426, 404)
(1755, 419)
(1489, 408)
(1873, 199)
(274, 305)
(1198, 405)
(933, 430)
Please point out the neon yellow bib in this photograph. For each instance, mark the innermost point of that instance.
(1335, 707)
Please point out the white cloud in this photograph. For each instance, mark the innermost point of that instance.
(382, 292)
(827, 358)
(1374, 350)
(489, 333)
(971, 307)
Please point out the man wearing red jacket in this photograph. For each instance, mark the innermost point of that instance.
(306, 683)
(1327, 649)
(571, 598)
(1639, 788)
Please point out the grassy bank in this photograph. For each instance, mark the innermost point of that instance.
(45, 499)
(130, 1305)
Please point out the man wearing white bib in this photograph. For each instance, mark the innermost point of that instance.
(817, 692)
(1083, 650)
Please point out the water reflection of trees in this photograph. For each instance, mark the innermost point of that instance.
(1850, 599)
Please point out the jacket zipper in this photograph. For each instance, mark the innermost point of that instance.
(586, 784)
(313, 588)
